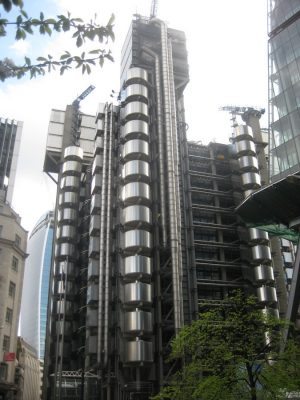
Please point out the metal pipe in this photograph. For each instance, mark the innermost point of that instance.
(171, 179)
(160, 144)
(101, 239)
(176, 167)
(108, 237)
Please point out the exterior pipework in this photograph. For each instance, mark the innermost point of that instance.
(176, 167)
(102, 234)
(171, 181)
(160, 144)
(108, 236)
(136, 220)
(258, 240)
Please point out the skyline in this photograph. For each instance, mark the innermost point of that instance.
(227, 51)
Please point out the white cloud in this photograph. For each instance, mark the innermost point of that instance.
(21, 47)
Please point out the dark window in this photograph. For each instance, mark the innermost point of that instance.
(6, 343)
(12, 289)
(15, 263)
(18, 241)
(3, 371)
(9, 315)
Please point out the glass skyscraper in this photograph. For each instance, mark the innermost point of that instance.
(36, 284)
(284, 87)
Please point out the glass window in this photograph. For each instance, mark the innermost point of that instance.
(12, 289)
(6, 343)
(15, 264)
(18, 241)
(9, 315)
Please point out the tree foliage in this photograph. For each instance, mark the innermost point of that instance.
(232, 352)
(81, 32)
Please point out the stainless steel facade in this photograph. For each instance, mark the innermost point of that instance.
(146, 235)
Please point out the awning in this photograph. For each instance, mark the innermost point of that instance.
(277, 203)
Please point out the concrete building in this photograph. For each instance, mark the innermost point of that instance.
(27, 372)
(10, 138)
(35, 297)
(13, 240)
(145, 230)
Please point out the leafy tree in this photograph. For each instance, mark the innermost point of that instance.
(81, 32)
(232, 352)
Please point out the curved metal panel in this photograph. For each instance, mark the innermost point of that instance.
(248, 163)
(138, 352)
(93, 268)
(242, 132)
(136, 192)
(135, 129)
(137, 293)
(63, 326)
(67, 199)
(65, 250)
(137, 216)
(94, 225)
(97, 163)
(136, 90)
(136, 170)
(94, 246)
(62, 287)
(261, 254)
(95, 203)
(92, 293)
(63, 307)
(137, 239)
(66, 215)
(264, 273)
(138, 321)
(245, 147)
(136, 110)
(96, 184)
(66, 232)
(73, 153)
(258, 236)
(137, 265)
(136, 149)
(69, 182)
(251, 180)
(64, 267)
(136, 74)
(266, 294)
(71, 167)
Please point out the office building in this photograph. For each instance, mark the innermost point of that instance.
(10, 138)
(284, 84)
(13, 240)
(35, 296)
(146, 234)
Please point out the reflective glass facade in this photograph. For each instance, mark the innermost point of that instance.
(284, 87)
(36, 284)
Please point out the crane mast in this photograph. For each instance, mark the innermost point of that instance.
(153, 11)
(76, 120)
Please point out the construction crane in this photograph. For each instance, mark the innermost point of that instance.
(76, 121)
(153, 11)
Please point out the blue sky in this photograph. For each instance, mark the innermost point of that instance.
(227, 51)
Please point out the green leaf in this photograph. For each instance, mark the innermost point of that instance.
(24, 13)
(19, 19)
(43, 59)
(42, 29)
(95, 51)
(88, 69)
(48, 30)
(50, 21)
(27, 61)
(79, 41)
(109, 56)
(111, 20)
(19, 34)
(41, 16)
(83, 68)
(101, 61)
(66, 25)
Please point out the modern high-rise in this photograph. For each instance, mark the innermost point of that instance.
(145, 231)
(10, 138)
(35, 296)
(284, 87)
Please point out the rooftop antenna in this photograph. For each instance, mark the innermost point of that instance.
(153, 11)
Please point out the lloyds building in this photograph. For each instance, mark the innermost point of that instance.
(146, 236)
